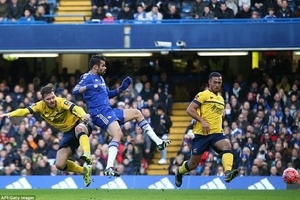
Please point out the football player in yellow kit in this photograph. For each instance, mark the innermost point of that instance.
(207, 109)
(68, 118)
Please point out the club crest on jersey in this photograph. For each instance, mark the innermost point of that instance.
(68, 103)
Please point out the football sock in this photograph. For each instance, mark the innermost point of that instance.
(184, 168)
(146, 127)
(227, 160)
(84, 143)
(112, 153)
(73, 167)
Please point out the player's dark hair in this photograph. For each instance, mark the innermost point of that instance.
(214, 74)
(95, 60)
(47, 89)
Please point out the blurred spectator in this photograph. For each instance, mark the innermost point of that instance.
(140, 14)
(214, 6)
(233, 6)
(197, 9)
(271, 14)
(39, 16)
(224, 12)
(31, 6)
(125, 13)
(207, 13)
(162, 126)
(175, 162)
(3, 10)
(284, 12)
(245, 12)
(15, 11)
(172, 13)
(108, 18)
(154, 15)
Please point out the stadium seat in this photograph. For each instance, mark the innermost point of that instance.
(186, 8)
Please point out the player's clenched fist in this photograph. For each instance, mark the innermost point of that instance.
(86, 118)
(125, 83)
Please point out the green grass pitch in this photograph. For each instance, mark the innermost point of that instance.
(130, 194)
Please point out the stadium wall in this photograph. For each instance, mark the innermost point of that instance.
(141, 182)
(221, 34)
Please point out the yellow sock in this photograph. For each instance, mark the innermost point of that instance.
(85, 143)
(183, 169)
(73, 167)
(227, 160)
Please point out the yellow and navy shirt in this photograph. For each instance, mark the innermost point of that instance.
(211, 108)
(63, 117)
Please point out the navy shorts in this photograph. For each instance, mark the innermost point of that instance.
(202, 143)
(104, 117)
(69, 139)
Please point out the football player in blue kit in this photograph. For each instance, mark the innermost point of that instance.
(97, 95)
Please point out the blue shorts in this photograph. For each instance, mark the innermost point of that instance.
(105, 116)
(69, 139)
(202, 143)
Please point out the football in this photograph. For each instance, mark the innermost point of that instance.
(290, 175)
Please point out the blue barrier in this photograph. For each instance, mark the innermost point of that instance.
(141, 182)
(197, 34)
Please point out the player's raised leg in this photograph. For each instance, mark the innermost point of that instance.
(134, 114)
(62, 163)
(81, 132)
(227, 159)
(115, 131)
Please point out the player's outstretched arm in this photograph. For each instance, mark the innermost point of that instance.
(17, 113)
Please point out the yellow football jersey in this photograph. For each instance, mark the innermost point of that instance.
(60, 117)
(211, 110)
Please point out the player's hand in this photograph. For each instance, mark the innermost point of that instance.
(86, 118)
(125, 83)
(4, 115)
(205, 127)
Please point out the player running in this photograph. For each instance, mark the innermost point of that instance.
(97, 95)
(69, 119)
(207, 109)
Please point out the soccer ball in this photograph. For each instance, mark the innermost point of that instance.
(290, 175)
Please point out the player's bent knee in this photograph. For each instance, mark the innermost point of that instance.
(137, 113)
(80, 129)
(60, 166)
(193, 165)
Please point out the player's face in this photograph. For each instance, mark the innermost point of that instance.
(215, 84)
(50, 100)
(101, 69)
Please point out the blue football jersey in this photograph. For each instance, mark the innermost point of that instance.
(97, 96)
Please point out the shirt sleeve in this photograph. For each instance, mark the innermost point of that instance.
(74, 109)
(84, 81)
(200, 98)
(34, 108)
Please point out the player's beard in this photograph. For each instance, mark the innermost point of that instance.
(52, 105)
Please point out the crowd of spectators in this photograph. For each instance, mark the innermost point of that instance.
(25, 11)
(144, 10)
(262, 121)
(109, 11)
(28, 145)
